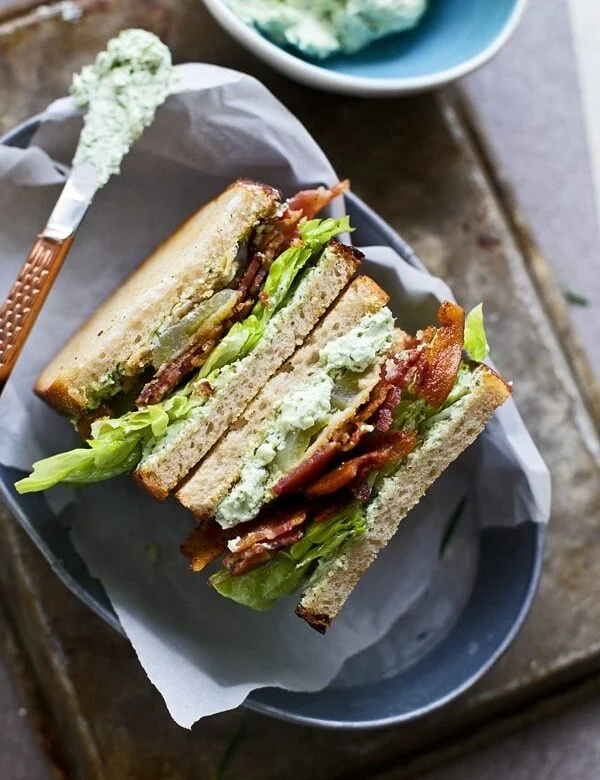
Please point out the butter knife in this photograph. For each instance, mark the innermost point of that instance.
(26, 298)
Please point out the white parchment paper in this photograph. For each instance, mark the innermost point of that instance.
(205, 653)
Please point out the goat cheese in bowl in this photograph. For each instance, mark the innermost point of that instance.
(320, 28)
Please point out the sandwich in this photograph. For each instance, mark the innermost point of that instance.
(335, 450)
(172, 358)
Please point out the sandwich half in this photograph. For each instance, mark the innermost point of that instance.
(334, 452)
(128, 333)
(167, 363)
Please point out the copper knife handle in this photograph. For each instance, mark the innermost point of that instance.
(26, 298)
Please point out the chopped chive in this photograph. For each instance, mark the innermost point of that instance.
(230, 748)
(575, 299)
(452, 526)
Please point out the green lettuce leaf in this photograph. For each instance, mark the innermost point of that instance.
(239, 342)
(314, 233)
(317, 232)
(310, 557)
(410, 414)
(261, 587)
(475, 344)
(82, 466)
(243, 336)
(115, 447)
(280, 278)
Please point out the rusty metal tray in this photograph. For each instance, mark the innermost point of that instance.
(425, 166)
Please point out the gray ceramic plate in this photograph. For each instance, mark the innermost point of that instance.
(439, 663)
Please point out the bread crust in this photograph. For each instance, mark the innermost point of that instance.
(189, 265)
(322, 602)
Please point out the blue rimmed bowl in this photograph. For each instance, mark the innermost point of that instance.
(496, 598)
(453, 38)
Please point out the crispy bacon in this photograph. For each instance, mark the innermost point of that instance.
(174, 372)
(385, 413)
(437, 371)
(240, 563)
(255, 290)
(205, 544)
(306, 470)
(248, 559)
(351, 434)
(394, 446)
(274, 236)
(270, 525)
(399, 370)
(274, 529)
(310, 202)
(362, 490)
(277, 233)
(430, 371)
(171, 374)
(384, 394)
(377, 397)
(245, 282)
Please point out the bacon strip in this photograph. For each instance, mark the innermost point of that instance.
(240, 563)
(399, 370)
(273, 529)
(438, 360)
(353, 431)
(310, 202)
(246, 560)
(276, 523)
(377, 397)
(306, 470)
(277, 233)
(362, 490)
(351, 435)
(245, 282)
(384, 394)
(395, 446)
(204, 545)
(385, 413)
(174, 372)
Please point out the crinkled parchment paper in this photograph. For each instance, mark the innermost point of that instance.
(205, 653)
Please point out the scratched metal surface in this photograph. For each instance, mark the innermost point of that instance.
(413, 162)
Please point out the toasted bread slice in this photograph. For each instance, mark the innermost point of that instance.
(220, 470)
(174, 457)
(195, 261)
(322, 601)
